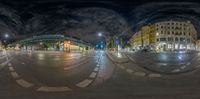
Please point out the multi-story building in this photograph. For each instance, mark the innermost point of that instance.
(167, 35)
(144, 38)
(198, 44)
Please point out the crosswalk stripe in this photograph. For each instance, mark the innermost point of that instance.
(14, 75)
(11, 69)
(84, 83)
(93, 75)
(154, 75)
(24, 83)
(53, 89)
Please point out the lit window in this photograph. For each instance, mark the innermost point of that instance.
(176, 39)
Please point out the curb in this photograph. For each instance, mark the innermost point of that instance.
(111, 57)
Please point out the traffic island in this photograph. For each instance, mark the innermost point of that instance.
(117, 57)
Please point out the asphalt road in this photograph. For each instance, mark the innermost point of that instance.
(92, 75)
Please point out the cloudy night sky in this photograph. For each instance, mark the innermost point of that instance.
(84, 19)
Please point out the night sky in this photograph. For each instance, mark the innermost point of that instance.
(84, 19)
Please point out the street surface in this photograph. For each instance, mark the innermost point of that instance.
(92, 75)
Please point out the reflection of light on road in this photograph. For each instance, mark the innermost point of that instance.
(41, 56)
(163, 56)
(180, 56)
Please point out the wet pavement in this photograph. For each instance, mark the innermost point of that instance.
(92, 75)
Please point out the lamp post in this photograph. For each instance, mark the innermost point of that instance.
(100, 34)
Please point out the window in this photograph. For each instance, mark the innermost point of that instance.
(162, 39)
(188, 40)
(168, 32)
(176, 39)
(182, 39)
(170, 39)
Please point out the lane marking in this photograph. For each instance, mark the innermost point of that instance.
(23, 63)
(176, 70)
(14, 75)
(183, 67)
(129, 71)
(84, 83)
(53, 89)
(11, 69)
(162, 64)
(154, 75)
(93, 75)
(188, 63)
(96, 69)
(140, 73)
(24, 83)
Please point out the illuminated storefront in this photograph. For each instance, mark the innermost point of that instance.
(166, 36)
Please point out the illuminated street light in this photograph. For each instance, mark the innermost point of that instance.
(6, 35)
(100, 34)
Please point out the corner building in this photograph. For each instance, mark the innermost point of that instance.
(166, 36)
(175, 35)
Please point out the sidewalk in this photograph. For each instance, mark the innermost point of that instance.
(117, 57)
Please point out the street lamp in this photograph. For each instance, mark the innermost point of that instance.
(100, 34)
(6, 35)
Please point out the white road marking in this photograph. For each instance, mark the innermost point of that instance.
(183, 67)
(154, 75)
(14, 75)
(11, 69)
(96, 69)
(122, 67)
(140, 73)
(162, 64)
(129, 70)
(24, 83)
(84, 83)
(53, 89)
(93, 75)
(98, 65)
(176, 70)
(23, 63)
(188, 63)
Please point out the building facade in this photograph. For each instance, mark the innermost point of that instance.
(167, 36)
